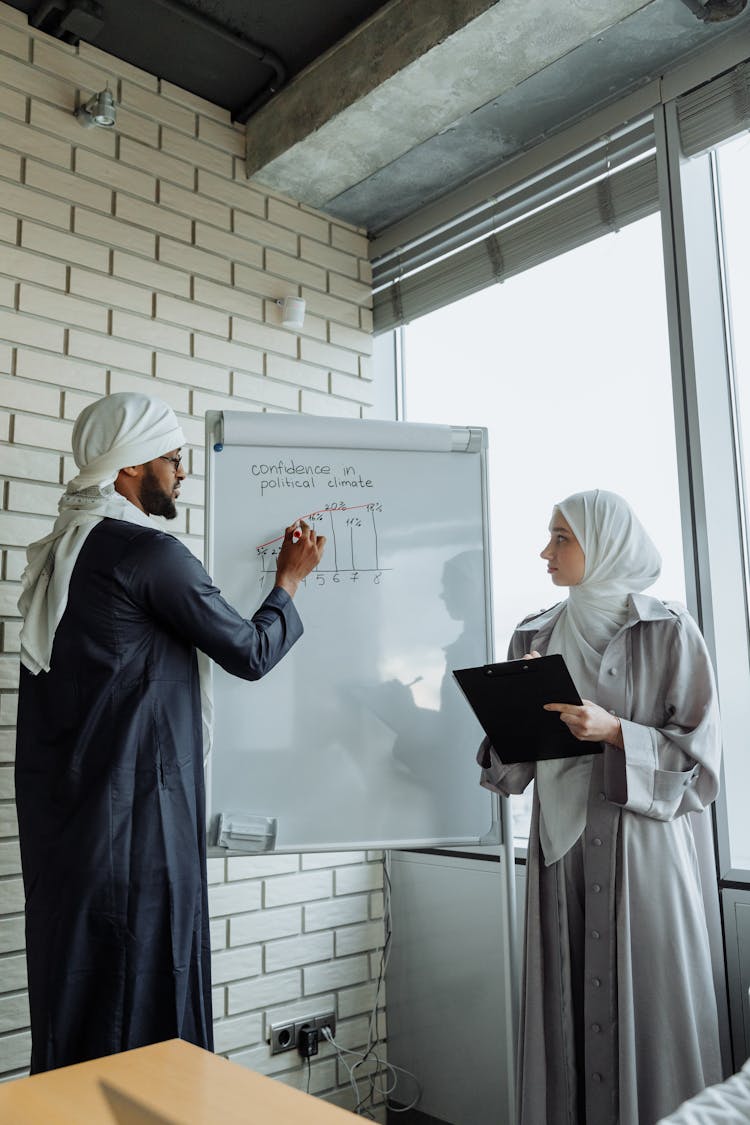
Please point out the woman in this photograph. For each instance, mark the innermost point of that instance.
(619, 1019)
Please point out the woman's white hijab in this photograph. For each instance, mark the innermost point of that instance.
(112, 433)
(621, 560)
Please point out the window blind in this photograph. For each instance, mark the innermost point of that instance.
(716, 111)
(610, 183)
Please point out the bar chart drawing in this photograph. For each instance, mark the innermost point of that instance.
(352, 553)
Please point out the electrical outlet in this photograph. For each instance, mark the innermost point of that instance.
(285, 1036)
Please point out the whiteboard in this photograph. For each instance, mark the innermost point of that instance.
(359, 737)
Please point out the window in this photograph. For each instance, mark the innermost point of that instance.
(567, 365)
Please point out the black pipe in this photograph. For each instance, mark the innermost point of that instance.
(237, 39)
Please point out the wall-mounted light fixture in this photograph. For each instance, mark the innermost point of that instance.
(292, 311)
(99, 110)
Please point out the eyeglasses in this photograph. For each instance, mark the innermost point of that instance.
(176, 462)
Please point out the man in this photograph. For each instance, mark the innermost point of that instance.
(109, 757)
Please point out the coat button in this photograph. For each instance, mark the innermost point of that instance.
(596, 981)
(597, 842)
(602, 796)
(595, 934)
(596, 888)
(596, 1078)
(613, 671)
(596, 1028)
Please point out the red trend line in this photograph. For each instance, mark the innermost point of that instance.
(320, 511)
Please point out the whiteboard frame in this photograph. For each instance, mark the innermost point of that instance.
(470, 439)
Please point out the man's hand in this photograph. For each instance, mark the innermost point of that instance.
(297, 558)
(589, 723)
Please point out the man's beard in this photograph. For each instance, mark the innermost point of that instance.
(155, 501)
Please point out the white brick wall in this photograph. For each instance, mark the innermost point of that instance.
(142, 259)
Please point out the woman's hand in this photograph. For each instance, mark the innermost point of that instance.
(590, 722)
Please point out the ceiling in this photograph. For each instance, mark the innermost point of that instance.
(370, 110)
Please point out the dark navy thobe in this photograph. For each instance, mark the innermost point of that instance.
(110, 795)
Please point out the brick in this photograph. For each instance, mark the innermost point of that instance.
(60, 370)
(298, 220)
(335, 974)
(194, 152)
(210, 376)
(17, 394)
(215, 869)
(33, 499)
(350, 290)
(12, 103)
(328, 257)
(69, 247)
(15, 564)
(161, 164)
(10, 16)
(16, 1052)
(227, 244)
(292, 371)
(336, 912)
(194, 205)
(192, 315)
(15, 42)
(9, 707)
(349, 240)
(10, 859)
(353, 338)
(59, 306)
(192, 260)
(112, 232)
(260, 389)
(365, 320)
(19, 531)
(29, 465)
(152, 216)
(19, 74)
(6, 357)
(359, 939)
(61, 123)
(200, 105)
(110, 291)
(68, 186)
(351, 880)
(327, 355)
(49, 433)
(236, 195)
(227, 300)
(365, 272)
(303, 950)
(301, 273)
(162, 109)
(271, 988)
(265, 233)
(312, 403)
(356, 1001)
(125, 70)
(218, 936)
(265, 337)
(230, 1034)
(9, 673)
(117, 174)
(315, 860)
(333, 308)
(229, 138)
(260, 866)
(12, 643)
(10, 164)
(24, 264)
(152, 274)
(74, 403)
(12, 935)
(137, 127)
(233, 898)
(176, 397)
(28, 330)
(113, 353)
(67, 64)
(14, 1012)
(265, 925)
(18, 136)
(7, 292)
(235, 964)
(228, 354)
(259, 281)
(286, 889)
(352, 387)
(202, 401)
(8, 228)
(23, 200)
(196, 522)
(150, 332)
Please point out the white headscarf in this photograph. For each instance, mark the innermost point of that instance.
(621, 560)
(114, 432)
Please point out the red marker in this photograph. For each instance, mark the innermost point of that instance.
(296, 535)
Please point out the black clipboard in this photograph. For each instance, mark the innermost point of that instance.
(508, 699)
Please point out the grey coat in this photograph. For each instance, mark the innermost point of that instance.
(618, 1011)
